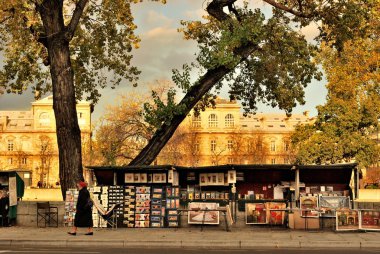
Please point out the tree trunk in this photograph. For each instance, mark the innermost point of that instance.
(64, 104)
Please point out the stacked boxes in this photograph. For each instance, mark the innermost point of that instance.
(70, 207)
(142, 213)
(129, 206)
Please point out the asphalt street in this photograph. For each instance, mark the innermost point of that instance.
(80, 250)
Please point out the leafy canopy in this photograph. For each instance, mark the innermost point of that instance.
(101, 50)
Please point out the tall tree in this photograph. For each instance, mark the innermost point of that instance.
(261, 59)
(46, 42)
(345, 127)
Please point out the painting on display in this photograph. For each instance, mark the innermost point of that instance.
(159, 178)
(347, 220)
(202, 217)
(275, 215)
(370, 220)
(129, 178)
(309, 206)
(231, 176)
(203, 179)
(255, 213)
(329, 204)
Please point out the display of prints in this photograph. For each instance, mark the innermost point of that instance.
(170, 176)
(328, 204)
(129, 206)
(203, 179)
(12, 191)
(347, 220)
(70, 207)
(116, 196)
(159, 178)
(255, 213)
(275, 215)
(129, 178)
(197, 216)
(143, 178)
(175, 178)
(231, 176)
(309, 206)
(220, 178)
(370, 220)
(142, 213)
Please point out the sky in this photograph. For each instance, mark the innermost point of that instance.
(162, 49)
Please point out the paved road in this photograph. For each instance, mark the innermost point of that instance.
(181, 251)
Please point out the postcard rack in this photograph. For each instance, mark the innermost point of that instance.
(129, 206)
(172, 205)
(157, 208)
(142, 213)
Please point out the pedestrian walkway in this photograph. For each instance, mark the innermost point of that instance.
(211, 237)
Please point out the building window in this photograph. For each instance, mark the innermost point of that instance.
(229, 121)
(44, 119)
(196, 146)
(230, 145)
(10, 145)
(230, 160)
(10, 161)
(273, 146)
(196, 121)
(213, 145)
(212, 121)
(273, 161)
(24, 161)
(286, 146)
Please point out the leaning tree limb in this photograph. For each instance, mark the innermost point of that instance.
(196, 92)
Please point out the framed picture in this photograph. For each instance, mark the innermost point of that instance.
(329, 204)
(347, 220)
(255, 213)
(136, 177)
(129, 178)
(370, 220)
(159, 178)
(232, 176)
(150, 178)
(143, 178)
(170, 176)
(175, 178)
(203, 179)
(220, 178)
(200, 216)
(275, 214)
(309, 206)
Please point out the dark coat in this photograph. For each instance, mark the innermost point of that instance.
(83, 216)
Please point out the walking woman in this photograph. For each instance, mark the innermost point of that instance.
(83, 216)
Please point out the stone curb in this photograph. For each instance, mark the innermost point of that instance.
(244, 244)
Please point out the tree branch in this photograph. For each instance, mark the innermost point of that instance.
(288, 9)
(70, 29)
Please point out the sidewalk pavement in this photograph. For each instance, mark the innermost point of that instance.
(211, 237)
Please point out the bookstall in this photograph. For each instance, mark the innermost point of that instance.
(283, 195)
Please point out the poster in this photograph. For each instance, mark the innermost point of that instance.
(309, 206)
(255, 213)
(232, 176)
(329, 205)
(12, 191)
(275, 215)
(175, 178)
(347, 220)
(202, 217)
(203, 179)
(370, 220)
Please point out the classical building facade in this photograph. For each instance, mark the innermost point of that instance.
(28, 141)
(222, 135)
